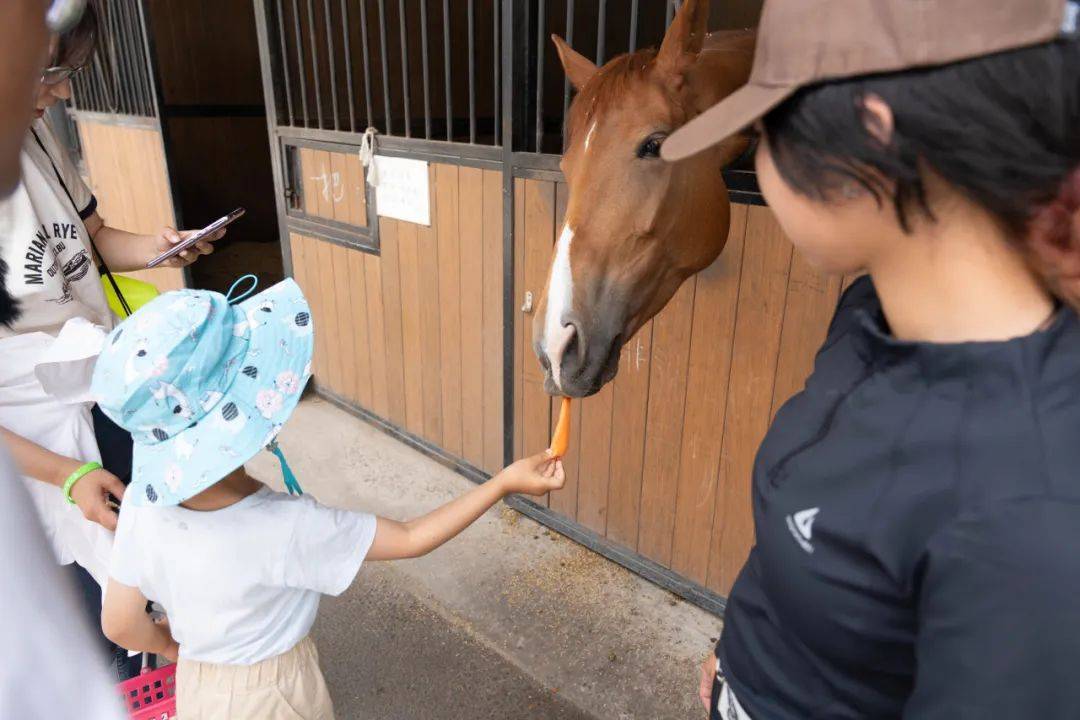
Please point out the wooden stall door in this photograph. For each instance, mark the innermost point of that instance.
(126, 171)
(414, 334)
(661, 459)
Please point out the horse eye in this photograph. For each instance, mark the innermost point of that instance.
(650, 146)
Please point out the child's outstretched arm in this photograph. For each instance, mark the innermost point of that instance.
(535, 475)
(124, 621)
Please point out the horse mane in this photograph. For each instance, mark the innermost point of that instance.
(609, 82)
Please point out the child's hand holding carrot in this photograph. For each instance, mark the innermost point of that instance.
(534, 475)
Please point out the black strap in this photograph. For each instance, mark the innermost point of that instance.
(102, 267)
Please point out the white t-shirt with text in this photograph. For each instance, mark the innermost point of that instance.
(241, 584)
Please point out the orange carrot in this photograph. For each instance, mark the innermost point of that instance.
(560, 440)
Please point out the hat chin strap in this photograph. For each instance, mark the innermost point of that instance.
(291, 483)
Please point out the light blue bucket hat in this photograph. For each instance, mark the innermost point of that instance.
(203, 382)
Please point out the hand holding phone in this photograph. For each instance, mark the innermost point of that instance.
(194, 238)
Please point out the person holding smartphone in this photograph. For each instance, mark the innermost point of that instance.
(54, 244)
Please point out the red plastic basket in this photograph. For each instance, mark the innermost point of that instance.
(151, 695)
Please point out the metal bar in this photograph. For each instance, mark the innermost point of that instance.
(331, 61)
(495, 104)
(566, 80)
(513, 44)
(669, 13)
(315, 62)
(472, 74)
(540, 76)
(119, 62)
(142, 76)
(367, 68)
(347, 49)
(300, 62)
(601, 31)
(385, 67)
(107, 118)
(404, 68)
(342, 140)
(284, 68)
(652, 571)
(424, 59)
(154, 78)
(266, 61)
(448, 88)
(127, 43)
(633, 25)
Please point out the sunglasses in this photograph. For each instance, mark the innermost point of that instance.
(64, 14)
(58, 74)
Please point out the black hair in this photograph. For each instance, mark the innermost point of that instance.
(9, 306)
(1003, 129)
(76, 47)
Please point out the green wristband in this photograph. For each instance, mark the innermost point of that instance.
(77, 476)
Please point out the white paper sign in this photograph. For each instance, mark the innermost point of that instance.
(402, 191)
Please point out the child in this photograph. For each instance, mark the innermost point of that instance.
(203, 385)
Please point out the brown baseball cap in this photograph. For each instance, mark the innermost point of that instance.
(800, 42)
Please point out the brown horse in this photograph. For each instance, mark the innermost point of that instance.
(636, 226)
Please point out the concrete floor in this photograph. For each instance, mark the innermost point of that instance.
(508, 620)
(386, 655)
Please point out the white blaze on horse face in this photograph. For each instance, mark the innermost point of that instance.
(560, 298)
(588, 135)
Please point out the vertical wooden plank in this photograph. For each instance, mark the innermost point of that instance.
(706, 400)
(305, 259)
(493, 322)
(663, 430)
(762, 291)
(471, 236)
(594, 468)
(391, 293)
(521, 318)
(380, 402)
(296, 246)
(361, 328)
(811, 301)
(340, 198)
(410, 327)
(355, 189)
(565, 500)
(309, 180)
(427, 245)
(446, 198)
(346, 335)
(324, 200)
(629, 414)
(539, 239)
(328, 297)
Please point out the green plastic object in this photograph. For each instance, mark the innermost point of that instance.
(136, 292)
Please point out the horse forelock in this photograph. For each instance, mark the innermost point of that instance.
(608, 85)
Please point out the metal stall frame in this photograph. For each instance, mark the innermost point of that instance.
(513, 112)
(137, 99)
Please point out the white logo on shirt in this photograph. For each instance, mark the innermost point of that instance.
(801, 526)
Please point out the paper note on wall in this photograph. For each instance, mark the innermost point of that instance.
(402, 191)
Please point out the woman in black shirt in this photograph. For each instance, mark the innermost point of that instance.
(917, 506)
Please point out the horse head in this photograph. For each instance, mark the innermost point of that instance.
(635, 226)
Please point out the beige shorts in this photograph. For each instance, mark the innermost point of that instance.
(287, 687)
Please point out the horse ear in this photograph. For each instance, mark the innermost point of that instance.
(684, 38)
(578, 68)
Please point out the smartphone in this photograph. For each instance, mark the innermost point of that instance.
(199, 235)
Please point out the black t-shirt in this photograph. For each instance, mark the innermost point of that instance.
(917, 510)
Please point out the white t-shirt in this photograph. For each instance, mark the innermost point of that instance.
(43, 240)
(241, 584)
(52, 275)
